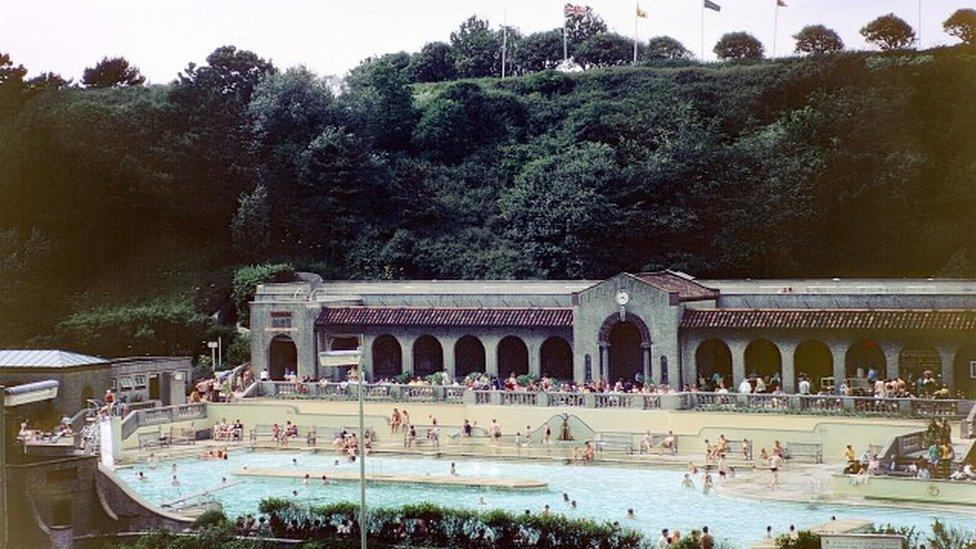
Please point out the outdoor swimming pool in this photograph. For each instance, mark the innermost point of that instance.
(602, 493)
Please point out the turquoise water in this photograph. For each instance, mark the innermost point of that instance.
(602, 493)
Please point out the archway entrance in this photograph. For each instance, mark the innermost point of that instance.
(283, 359)
(812, 359)
(428, 356)
(556, 359)
(917, 358)
(762, 358)
(713, 362)
(862, 357)
(513, 357)
(387, 357)
(964, 370)
(625, 353)
(469, 356)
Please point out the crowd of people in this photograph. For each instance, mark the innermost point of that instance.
(935, 462)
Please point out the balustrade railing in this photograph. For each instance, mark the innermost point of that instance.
(733, 402)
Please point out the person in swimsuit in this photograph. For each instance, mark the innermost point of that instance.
(774, 469)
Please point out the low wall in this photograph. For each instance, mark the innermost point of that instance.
(692, 427)
(131, 511)
(906, 489)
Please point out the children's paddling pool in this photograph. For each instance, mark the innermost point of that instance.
(601, 493)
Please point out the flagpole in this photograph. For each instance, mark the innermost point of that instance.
(504, 40)
(775, 25)
(565, 46)
(919, 24)
(703, 31)
(636, 16)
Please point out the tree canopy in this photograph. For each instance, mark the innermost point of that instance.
(962, 25)
(738, 45)
(817, 39)
(114, 72)
(889, 32)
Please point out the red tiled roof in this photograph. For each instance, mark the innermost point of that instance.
(446, 316)
(860, 319)
(673, 283)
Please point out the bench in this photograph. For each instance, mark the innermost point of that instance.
(794, 450)
(261, 431)
(153, 439)
(655, 445)
(183, 436)
(316, 432)
(614, 441)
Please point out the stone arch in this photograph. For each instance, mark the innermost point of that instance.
(964, 370)
(469, 356)
(556, 358)
(283, 357)
(428, 356)
(864, 355)
(713, 364)
(917, 357)
(387, 357)
(813, 359)
(613, 320)
(513, 357)
(626, 352)
(762, 357)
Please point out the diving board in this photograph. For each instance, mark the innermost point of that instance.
(380, 478)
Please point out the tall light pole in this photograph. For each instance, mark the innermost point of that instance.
(362, 457)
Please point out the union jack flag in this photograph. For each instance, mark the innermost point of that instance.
(571, 10)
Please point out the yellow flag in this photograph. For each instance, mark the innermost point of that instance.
(641, 13)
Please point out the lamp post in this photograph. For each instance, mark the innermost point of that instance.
(362, 458)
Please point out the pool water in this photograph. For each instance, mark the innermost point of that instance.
(602, 493)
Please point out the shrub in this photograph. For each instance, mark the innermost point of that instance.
(805, 539)
(246, 280)
(403, 377)
(159, 328)
(211, 518)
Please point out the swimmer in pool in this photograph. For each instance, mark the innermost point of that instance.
(305, 480)
(175, 481)
(453, 470)
(687, 482)
(631, 515)
(335, 463)
(141, 476)
(481, 500)
(294, 461)
(325, 480)
(573, 504)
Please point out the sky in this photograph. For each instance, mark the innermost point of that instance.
(332, 36)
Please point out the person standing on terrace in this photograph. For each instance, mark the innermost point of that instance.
(745, 387)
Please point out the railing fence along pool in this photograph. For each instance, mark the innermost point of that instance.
(705, 401)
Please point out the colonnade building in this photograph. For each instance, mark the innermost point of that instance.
(665, 327)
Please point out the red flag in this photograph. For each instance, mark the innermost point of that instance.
(571, 10)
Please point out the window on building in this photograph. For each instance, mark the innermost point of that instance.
(280, 320)
(113, 384)
(344, 343)
(125, 383)
(972, 369)
(140, 382)
(664, 370)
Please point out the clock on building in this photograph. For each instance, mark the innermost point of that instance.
(623, 297)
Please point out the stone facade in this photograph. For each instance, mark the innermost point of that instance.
(637, 324)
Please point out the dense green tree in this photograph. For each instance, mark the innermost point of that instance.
(962, 25)
(889, 32)
(605, 50)
(476, 49)
(665, 47)
(540, 51)
(115, 72)
(817, 39)
(580, 27)
(211, 128)
(433, 63)
(251, 225)
(456, 122)
(738, 45)
(11, 85)
(384, 101)
(557, 210)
